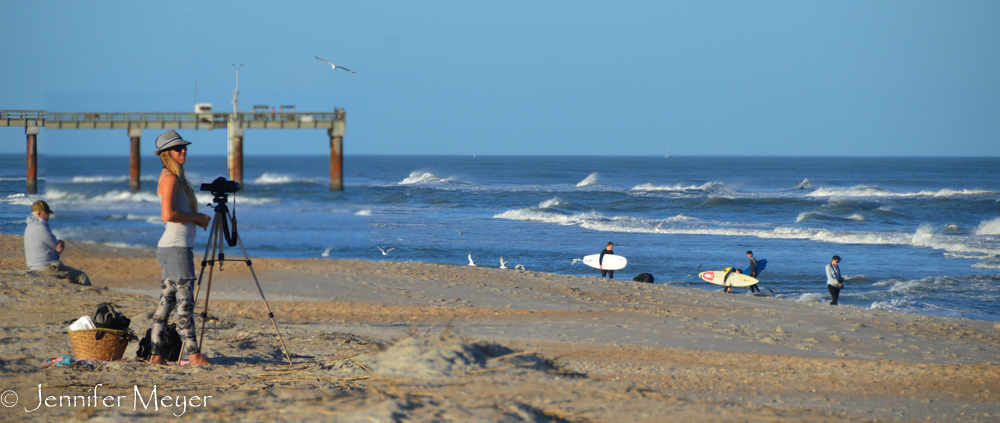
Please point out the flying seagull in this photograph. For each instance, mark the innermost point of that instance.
(695, 271)
(335, 67)
(471, 261)
(460, 233)
(385, 252)
(326, 252)
(503, 263)
(574, 261)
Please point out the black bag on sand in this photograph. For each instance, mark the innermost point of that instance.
(171, 347)
(643, 277)
(106, 317)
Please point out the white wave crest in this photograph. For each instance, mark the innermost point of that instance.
(18, 199)
(589, 180)
(363, 212)
(279, 179)
(987, 265)
(552, 202)
(875, 191)
(418, 177)
(708, 186)
(96, 179)
(923, 237)
(989, 227)
(13, 178)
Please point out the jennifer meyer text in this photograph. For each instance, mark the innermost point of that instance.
(144, 399)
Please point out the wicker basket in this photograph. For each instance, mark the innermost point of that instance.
(99, 344)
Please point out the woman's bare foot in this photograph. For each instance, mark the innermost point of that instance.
(197, 359)
(155, 359)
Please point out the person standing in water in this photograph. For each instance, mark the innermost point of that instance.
(179, 210)
(834, 280)
(600, 261)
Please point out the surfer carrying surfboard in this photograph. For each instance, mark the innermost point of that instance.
(609, 273)
(834, 280)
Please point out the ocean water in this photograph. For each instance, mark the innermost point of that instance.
(920, 235)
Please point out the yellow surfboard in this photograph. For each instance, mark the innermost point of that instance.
(718, 277)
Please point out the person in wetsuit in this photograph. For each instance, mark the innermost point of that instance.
(753, 271)
(600, 261)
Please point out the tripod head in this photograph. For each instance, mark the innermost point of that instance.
(221, 188)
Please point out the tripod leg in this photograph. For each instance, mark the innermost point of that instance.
(212, 234)
(269, 313)
(208, 288)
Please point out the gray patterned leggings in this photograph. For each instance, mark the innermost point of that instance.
(177, 290)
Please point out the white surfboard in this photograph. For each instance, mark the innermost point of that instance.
(611, 261)
(735, 279)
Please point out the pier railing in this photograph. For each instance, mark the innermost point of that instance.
(97, 120)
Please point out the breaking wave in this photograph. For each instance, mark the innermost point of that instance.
(923, 237)
(589, 180)
(706, 187)
(118, 197)
(417, 177)
(18, 199)
(875, 191)
(989, 227)
(279, 179)
(807, 216)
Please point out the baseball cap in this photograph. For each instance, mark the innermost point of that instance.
(169, 139)
(40, 206)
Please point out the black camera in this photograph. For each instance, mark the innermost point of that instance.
(221, 186)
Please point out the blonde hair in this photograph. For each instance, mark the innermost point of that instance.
(178, 170)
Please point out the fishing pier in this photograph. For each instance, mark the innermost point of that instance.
(235, 123)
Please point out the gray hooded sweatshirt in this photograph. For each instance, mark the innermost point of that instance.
(39, 244)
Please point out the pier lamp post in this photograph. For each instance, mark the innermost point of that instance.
(235, 134)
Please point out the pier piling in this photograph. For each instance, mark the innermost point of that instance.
(337, 156)
(236, 159)
(32, 165)
(134, 164)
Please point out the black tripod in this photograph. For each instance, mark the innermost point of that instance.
(220, 226)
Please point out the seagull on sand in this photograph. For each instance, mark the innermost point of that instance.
(335, 67)
(519, 267)
(385, 252)
(471, 261)
(574, 261)
(503, 263)
(326, 252)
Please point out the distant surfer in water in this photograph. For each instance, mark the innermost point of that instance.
(753, 270)
(834, 280)
(600, 261)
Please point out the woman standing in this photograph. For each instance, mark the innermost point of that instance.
(179, 210)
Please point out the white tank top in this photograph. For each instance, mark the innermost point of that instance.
(178, 234)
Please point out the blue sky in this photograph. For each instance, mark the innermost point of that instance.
(844, 78)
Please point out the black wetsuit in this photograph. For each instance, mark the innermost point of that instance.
(753, 274)
(609, 273)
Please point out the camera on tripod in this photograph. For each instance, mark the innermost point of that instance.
(220, 186)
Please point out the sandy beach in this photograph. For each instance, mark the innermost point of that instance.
(389, 341)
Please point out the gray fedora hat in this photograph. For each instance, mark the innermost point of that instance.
(168, 140)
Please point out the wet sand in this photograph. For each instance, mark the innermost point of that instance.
(386, 341)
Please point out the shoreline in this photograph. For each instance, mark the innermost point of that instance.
(638, 351)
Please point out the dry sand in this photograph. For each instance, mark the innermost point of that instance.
(385, 341)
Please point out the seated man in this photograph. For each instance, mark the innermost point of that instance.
(41, 249)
